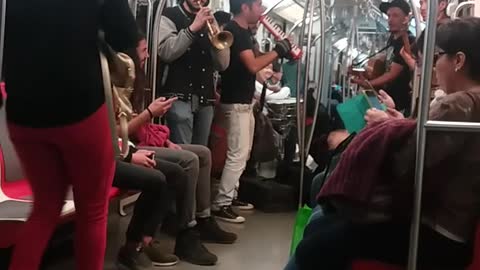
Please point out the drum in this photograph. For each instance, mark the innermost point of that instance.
(282, 113)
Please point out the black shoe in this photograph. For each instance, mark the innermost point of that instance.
(158, 257)
(242, 205)
(226, 213)
(133, 259)
(210, 232)
(189, 248)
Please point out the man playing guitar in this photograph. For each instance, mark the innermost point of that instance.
(397, 77)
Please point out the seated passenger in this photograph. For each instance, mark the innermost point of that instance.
(274, 86)
(143, 172)
(195, 161)
(451, 186)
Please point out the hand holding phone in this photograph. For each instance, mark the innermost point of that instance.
(373, 100)
(161, 105)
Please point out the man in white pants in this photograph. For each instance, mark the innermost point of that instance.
(238, 87)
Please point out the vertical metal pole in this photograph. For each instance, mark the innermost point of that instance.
(149, 31)
(306, 77)
(2, 33)
(428, 51)
(416, 16)
(154, 56)
(302, 104)
(321, 68)
(133, 6)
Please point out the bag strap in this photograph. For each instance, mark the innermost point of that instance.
(262, 96)
(340, 148)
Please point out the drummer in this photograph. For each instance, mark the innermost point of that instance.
(272, 78)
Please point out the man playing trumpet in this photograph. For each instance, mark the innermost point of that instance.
(187, 50)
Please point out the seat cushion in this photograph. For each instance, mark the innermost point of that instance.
(19, 189)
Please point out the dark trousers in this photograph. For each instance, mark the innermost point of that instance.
(153, 203)
(333, 243)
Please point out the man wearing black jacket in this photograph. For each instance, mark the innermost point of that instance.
(191, 60)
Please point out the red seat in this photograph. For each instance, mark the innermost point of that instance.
(372, 265)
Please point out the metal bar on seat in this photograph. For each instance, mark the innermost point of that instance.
(125, 202)
(452, 126)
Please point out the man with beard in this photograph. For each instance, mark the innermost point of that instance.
(191, 60)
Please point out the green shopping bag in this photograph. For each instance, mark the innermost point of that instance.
(301, 221)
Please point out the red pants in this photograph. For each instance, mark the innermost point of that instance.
(80, 155)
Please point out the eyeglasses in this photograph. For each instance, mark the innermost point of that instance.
(437, 56)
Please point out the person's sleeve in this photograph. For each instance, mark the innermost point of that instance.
(119, 25)
(221, 58)
(439, 145)
(173, 43)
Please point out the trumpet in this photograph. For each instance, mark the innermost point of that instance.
(219, 39)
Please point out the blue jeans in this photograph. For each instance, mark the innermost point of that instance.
(189, 122)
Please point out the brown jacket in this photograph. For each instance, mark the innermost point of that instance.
(451, 190)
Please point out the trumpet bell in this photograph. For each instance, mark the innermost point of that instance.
(222, 40)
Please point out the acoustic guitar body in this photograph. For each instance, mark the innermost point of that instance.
(375, 67)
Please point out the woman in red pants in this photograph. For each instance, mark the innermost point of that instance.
(57, 118)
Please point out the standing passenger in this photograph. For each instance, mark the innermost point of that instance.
(57, 118)
(192, 60)
(238, 87)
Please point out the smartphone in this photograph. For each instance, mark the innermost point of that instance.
(373, 100)
(358, 69)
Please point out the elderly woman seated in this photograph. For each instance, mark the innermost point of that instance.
(370, 193)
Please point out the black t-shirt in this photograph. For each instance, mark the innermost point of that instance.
(399, 89)
(52, 65)
(238, 84)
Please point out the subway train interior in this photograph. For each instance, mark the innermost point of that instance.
(318, 156)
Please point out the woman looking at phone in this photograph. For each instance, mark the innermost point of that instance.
(195, 160)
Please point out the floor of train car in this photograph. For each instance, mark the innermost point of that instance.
(264, 242)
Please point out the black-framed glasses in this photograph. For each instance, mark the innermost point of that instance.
(437, 56)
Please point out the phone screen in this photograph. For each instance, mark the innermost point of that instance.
(358, 69)
(373, 100)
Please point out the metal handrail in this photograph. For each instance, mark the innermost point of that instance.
(154, 59)
(301, 106)
(133, 7)
(452, 126)
(321, 78)
(428, 49)
(272, 7)
(461, 7)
